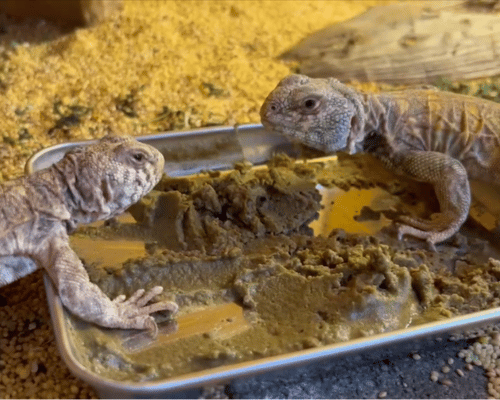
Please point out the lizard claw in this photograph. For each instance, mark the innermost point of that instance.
(151, 326)
(400, 232)
(134, 313)
(432, 245)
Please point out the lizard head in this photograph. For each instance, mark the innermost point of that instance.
(317, 112)
(105, 178)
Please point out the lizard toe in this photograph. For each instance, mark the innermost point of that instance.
(160, 306)
(134, 298)
(431, 237)
(148, 296)
(145, 322)
(119, 299)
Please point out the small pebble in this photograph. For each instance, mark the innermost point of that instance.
(382, 395)
(416, 357)
(445, 369)
(34, 367)
(483, 339)
(447, 382)
(434, 376)
(460, 372)
(451, 361)
(492, 391)
(469, 367)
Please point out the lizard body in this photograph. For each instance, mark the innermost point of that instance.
(431, 136)
(38, 211)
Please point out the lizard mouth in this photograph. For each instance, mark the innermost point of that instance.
(270, 120)
(267, 124)
(279, 128)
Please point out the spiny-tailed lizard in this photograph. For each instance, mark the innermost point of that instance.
(90, 183)
(428, 135)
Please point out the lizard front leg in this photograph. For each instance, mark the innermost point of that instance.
(86, 300)
(451, 184)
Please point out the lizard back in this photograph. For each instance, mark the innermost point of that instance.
(463, 127)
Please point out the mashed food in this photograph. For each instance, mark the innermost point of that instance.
(237, 252)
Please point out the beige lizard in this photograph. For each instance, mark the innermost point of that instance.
(431, 136)
(90, 183)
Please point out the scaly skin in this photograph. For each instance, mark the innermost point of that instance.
(89, 184)
(431, 136)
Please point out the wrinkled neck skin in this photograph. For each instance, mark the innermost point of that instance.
(86, 193)
(369, 118)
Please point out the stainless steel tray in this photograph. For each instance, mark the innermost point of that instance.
(220, 148)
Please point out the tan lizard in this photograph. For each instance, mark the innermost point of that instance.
(90, 183)
(431, 136)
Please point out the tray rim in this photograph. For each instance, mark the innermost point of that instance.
(237, 370)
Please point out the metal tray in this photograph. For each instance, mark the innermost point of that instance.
(220, 148)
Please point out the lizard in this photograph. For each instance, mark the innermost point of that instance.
(426, 134)
(38, 211)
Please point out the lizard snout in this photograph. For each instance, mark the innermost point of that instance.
(160, 163)
(268, 112)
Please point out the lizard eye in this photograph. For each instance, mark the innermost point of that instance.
(310, 104)
(139, 156)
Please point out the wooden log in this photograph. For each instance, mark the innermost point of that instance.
(406, 43)
(67, 12)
